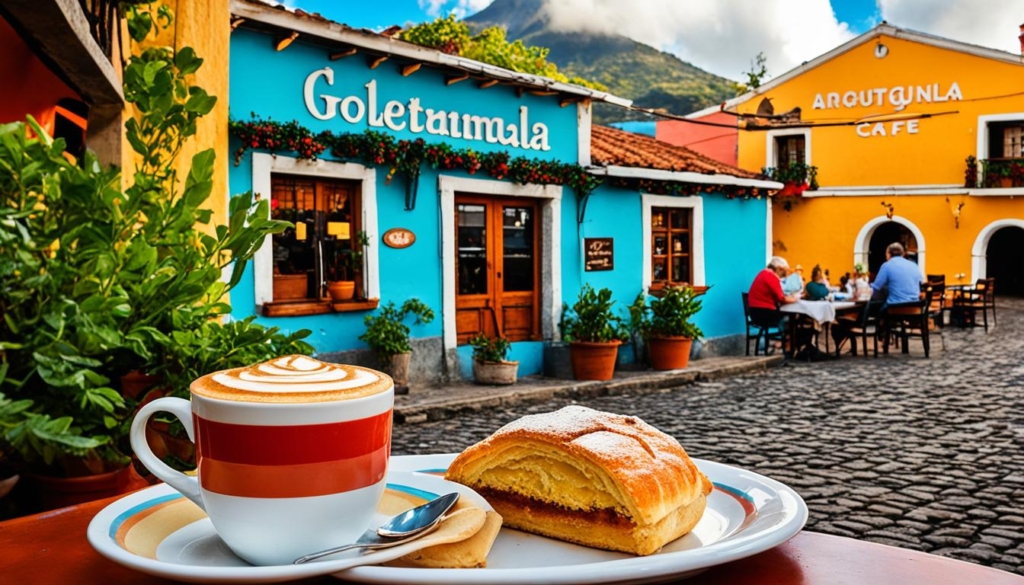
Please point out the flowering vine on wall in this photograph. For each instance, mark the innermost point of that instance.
(406, 157)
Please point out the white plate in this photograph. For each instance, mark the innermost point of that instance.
(156, 531)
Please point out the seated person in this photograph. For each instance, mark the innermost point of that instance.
(817, 289)
(766, 294)
(899, 280)
(861, 287)
(794, 283)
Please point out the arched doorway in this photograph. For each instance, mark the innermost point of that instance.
(876, 235)
(1004, 257)
(885, 234)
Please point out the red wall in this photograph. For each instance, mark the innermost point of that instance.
(715, 142)
(27, 86)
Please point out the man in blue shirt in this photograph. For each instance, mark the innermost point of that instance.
(899, 280)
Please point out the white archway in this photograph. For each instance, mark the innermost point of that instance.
(862, 245)
(979, 253)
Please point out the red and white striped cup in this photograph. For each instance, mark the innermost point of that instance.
(292, 454)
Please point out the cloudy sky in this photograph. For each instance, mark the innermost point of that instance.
(722, 36)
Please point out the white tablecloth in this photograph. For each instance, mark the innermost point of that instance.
(820, 311)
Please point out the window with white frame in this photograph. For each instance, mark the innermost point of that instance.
(673, 230)
(333, 207)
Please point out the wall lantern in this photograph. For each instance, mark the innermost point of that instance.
(881, 50)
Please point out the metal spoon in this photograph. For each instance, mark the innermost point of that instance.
(405, 527)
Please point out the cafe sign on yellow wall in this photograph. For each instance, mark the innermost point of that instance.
(898, 98)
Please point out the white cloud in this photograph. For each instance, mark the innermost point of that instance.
(990, 23)
(432, 7)
(460, 8)
(721, 36)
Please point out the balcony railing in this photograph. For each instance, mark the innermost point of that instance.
(994, 173)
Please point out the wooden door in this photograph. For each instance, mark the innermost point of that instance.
(497, 268)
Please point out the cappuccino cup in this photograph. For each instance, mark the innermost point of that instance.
(292, 454)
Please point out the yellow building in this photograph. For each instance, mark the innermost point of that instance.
(889, 120)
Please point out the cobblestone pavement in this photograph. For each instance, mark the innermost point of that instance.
(924, 454)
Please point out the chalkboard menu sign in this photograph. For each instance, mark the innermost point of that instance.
(598, 254)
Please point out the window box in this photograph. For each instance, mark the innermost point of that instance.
(290, 287)
(307, 308)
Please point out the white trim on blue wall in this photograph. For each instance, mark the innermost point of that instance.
(263, 165)
(551, 247)
(696, 203)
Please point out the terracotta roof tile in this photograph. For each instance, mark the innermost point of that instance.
(614, 147)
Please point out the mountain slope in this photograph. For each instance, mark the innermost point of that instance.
(651, 78)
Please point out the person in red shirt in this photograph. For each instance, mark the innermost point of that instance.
(766, 295)
(766, 290)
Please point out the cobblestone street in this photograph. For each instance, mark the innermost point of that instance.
(925, 454)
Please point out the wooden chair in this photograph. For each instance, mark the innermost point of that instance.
(981, 298)
(769, 330)
(937, 308)
(862, 325)
(906, 320)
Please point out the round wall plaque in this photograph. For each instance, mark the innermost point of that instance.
(399, 238)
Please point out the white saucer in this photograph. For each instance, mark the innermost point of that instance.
(158, 532)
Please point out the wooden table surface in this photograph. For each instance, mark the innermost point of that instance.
(51, 548)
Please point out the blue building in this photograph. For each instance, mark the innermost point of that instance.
(472, 188)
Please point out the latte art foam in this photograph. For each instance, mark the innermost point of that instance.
(294, 378)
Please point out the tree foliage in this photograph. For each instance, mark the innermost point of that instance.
(448, 35)
(755, 76)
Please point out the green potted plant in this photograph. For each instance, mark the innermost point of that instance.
(489, 363)
(670, 333)
(594, 334)
(96, 280)
(388, 336)
(343, 271)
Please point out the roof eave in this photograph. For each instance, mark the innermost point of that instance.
(337, 32)
(878, 31)
(682, 177)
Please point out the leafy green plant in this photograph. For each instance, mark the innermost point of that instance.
(348, 263)
(672, 311)
(794, 173)
(486, 349)
(387, 334)
(448, 35)
(591, 318)
(215, 346)
(95, 280)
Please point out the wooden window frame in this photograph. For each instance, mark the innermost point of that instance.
(667, 231)
(695, 203)
(263, 166)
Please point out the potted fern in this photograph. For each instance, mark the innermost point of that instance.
(489, 363)
(670, 333)
(388, 336)
(594, 334)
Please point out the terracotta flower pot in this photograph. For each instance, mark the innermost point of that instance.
(398, 369)
(495, 373)
(57, 492)
(593, 360)
(341, 290)
(135, 382)
(669, 353)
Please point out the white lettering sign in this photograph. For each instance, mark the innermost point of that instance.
(398, 116)
(898, 97)
(869, 129)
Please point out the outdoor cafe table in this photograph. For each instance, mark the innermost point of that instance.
(822, 312)
(51, 548)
